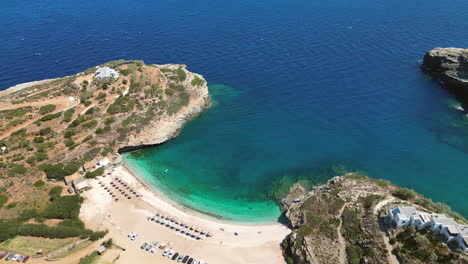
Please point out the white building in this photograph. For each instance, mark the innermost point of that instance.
(439, 221)
(462, 237)
(450, 232)
(106, 72)
(421, 220)
(102, 163)
(402, 215)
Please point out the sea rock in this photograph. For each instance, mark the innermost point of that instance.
(450, 65)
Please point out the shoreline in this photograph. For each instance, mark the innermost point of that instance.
(243, 242)
(187, 209)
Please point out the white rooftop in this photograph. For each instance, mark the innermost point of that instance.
(444, 220)
(406, 211)
(106, 72)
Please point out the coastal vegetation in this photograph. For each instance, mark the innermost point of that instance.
(344, 213)
(64, 127)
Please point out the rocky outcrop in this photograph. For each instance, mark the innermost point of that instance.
(344, 221)
(329, 225)
(450, 65)
(169, 126)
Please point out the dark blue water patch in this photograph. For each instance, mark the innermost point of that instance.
(305, 81)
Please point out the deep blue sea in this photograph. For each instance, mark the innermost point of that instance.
(297, 86)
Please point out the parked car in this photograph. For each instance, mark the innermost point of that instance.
(25, 259)
(154, 249)
(165, 252)
(20, 258)
(171, 253)
(180, 258)
(15, 258)
(190, 261)
(3, 254)
(175, 256)
(185, 259)
(144, 245)
(148, 247)
(10, 256)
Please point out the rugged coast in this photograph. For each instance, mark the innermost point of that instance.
(344, 221)
(450, 65)
(64, 126)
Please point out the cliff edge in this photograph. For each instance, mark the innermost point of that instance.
(345, 221)
(450, 65)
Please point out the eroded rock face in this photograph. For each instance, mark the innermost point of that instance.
(450, 65)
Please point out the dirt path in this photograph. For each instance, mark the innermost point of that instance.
(390, 256)
(341, 241)
(8, 132)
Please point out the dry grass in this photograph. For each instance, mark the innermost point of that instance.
(29, 246)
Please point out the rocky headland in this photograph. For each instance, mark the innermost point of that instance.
(59, 127)
(450, 65)
(344, 221)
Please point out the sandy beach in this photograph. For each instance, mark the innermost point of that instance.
(256, 243)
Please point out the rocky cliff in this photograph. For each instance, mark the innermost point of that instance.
(344, 221)
(450, 65)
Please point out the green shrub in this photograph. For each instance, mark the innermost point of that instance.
(38, 140)
(197, 81)
(3, 200)
(89, 124)
(50, 116)
(109, 121)
(404, 193)
(95, 173)
(17, 169)
(102, 130)
(39, 183)
(55, 192)
(40, 156)
(181, 74)
(11, 205)
(68, 115)
(46, 109)
(45, 131)
(64, 207)
(27, 214)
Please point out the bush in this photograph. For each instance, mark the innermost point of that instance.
(45, 131)
(53, 171)
(102, 130)
(90, 124)
(55, 192)
(3, 200)
(181, 74)
(197, 81)
(64, 207)
(50, 116)
(39, 183)
(46, 109)
(109, 121)
(67, 116)
(404, 193)
(40, 156)
(11, 205)
(38, 140)
(27, 214)
(69, 133)
(95, 173)
(17, 169)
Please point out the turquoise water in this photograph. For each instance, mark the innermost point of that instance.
(299, 85)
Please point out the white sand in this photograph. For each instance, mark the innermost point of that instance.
(255, 243)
